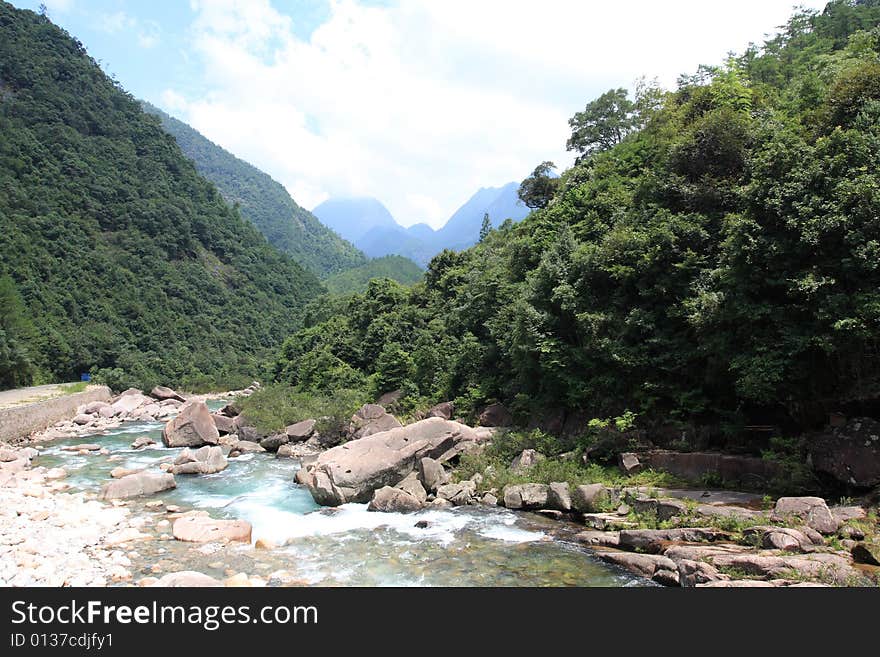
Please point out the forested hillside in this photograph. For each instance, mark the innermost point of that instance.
(265, 203)
(397, 268)
(114, 253)
(712, 257)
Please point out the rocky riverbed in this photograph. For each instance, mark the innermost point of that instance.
(205, 500)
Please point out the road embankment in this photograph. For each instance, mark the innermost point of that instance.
(19, 422)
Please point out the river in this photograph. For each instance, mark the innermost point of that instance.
(348, 546)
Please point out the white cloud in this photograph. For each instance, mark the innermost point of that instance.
(147, 33)
(59, 6)
(420, 104)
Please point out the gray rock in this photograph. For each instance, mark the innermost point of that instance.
(162, 394)
(644, 565)
(850, 453)
(413, 486)
(301, 431)
(204, 529)
(664, 508)
(193, 427)
(393, 500)
(272, 443)
(136, 485)
(525, 496)
(352, 471)
(443, 410)
(432, 474)
(526, 459)
(495, 415)
(458, 494)
(489, 500)
(629, 463)
(371, 419)
(589, 498)
(812, 510)
(247, 447)
(653, 540)
(558, 496)
(205, 460)
(225, 425)
(82, 419)
(691, 573)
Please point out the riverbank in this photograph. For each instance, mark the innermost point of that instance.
(248, 524)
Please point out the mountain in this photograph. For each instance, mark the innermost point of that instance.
(372, 228)
(403, 270)
(463, 228)
(264, 202)
(352, 218)
(126, 261)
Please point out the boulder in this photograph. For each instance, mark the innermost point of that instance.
(458, 494)
(432, 474)
(691, 573)
(643, 565)
(82, 447)
(695, 466)
(393, 500)
(664, 509)
(93, 408)
(850, 453)
(107, 412)
(495, 415)
(142, 441)
(272, 443)
(866, 553)
(812, 510)
(525, 460)
(559, 496)
(371, 419)
(224, 424)
(203, 529)
(489, 500)
(629, 463)
(297, 433)
(389, 399)
(193, 427)
(82, 419)
(246, 431)
(187, 579)
(129, 401)
(136, 485)
(589, 498)
(525, 496)
(205, 460)
(654, 540)
(230, 410)
(352, 471)
(442, 410)
(413, 486)
(247, 446)
(162, 393)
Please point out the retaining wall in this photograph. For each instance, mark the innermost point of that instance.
(21, 421)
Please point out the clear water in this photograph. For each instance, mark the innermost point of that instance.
(465, 546)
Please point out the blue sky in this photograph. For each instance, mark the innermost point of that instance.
(418, 103)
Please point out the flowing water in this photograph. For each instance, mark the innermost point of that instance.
(349, 546)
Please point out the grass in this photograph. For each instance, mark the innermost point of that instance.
(497, 473)
(73, 388)
(274, 407)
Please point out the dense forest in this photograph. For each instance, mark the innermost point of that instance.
(265, 203)
(116, 257)
(713, 257)
(397, 268)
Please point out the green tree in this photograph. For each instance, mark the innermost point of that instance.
(603, 123)
(538, 189)
(16, 368)
(486, 227)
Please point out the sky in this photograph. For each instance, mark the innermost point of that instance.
(418, 103)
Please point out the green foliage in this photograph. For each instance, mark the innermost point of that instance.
(603, 124)
(265, 203)
(126, 259)
(538, 189)
(16, 332)
(272, 408)
(713, 257)
(355, 281)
